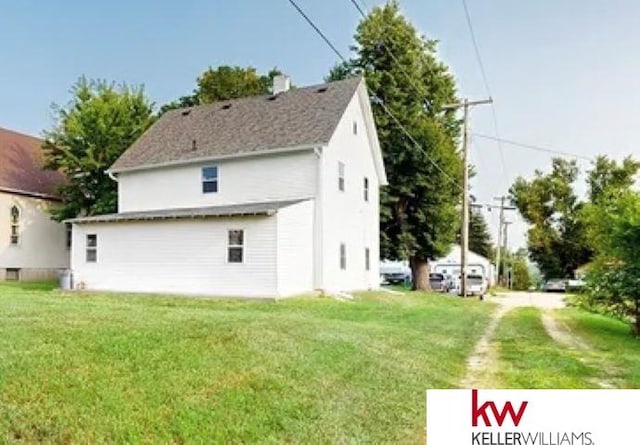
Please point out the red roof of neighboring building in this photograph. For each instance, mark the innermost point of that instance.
(21, 166)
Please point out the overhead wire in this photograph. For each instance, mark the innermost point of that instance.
(376, 100)
(485, 80)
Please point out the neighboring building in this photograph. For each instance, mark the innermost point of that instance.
(263, 196)
(449, 266)
(32, 246)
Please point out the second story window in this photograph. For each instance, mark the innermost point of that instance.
(343, 256)
(355, 127)
(92, 248)
(341, 176)
(210, 179)
(366, 189)
(15, 224)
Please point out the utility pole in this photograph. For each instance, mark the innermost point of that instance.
(464, 239)
(502, 208)
(506, 247)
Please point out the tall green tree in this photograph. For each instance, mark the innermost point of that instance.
(608, 178)
(91, 132)
(556, 239)
(614, 277)
(479, 236)
(224, 83)
(521, 279)
(419, 208)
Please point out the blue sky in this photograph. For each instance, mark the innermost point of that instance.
(563, 73)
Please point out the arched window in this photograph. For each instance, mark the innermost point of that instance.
(15, 224)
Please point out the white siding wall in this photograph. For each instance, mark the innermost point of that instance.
(255, 179)
(346, 217)
(181, 257)
(41, 250)
(295, 248)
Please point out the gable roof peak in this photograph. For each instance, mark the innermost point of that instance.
(305, 116)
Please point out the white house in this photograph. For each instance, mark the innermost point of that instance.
(263, 196)
(449, 265)
(32, 246)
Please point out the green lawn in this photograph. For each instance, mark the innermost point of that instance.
(612, 345)
(608, 355)
(529, 358)
(104, 368)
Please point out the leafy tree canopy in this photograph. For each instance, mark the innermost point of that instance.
(224, 83)
(557, 239)
(614, 277)
(91, 132)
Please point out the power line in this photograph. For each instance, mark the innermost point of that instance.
(534, 147)
(395, 59)
(313, 25)
(406, 132)
(476, 48)
(486, 85)
(376, 99)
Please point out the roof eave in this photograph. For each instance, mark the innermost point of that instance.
(29, 194)
(257, 153)
(98, 220)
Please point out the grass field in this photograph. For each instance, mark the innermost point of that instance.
(612, 346)
(104, 368)
(529, 358)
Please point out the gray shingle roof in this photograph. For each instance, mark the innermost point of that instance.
(298, 117)
(257, 208)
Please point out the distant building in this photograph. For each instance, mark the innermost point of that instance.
(449, 266)
(32, 245)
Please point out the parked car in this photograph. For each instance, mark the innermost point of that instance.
(395, 272)
(555, 285)
(476, 285)
(575, 285)
(438, 282)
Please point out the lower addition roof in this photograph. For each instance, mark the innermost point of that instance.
(251, 209)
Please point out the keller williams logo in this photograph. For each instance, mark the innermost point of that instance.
(489, 408)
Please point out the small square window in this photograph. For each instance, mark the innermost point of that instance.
(12, 274)
(341, 176)
(343, 256)
(210, 179)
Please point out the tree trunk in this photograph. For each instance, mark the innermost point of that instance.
(420, 274)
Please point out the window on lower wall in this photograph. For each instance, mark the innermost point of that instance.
(367, 259)
(235, 246)
(343, 256)
(15, 224)
(92, 248)
(12, 274)
(69, 229)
